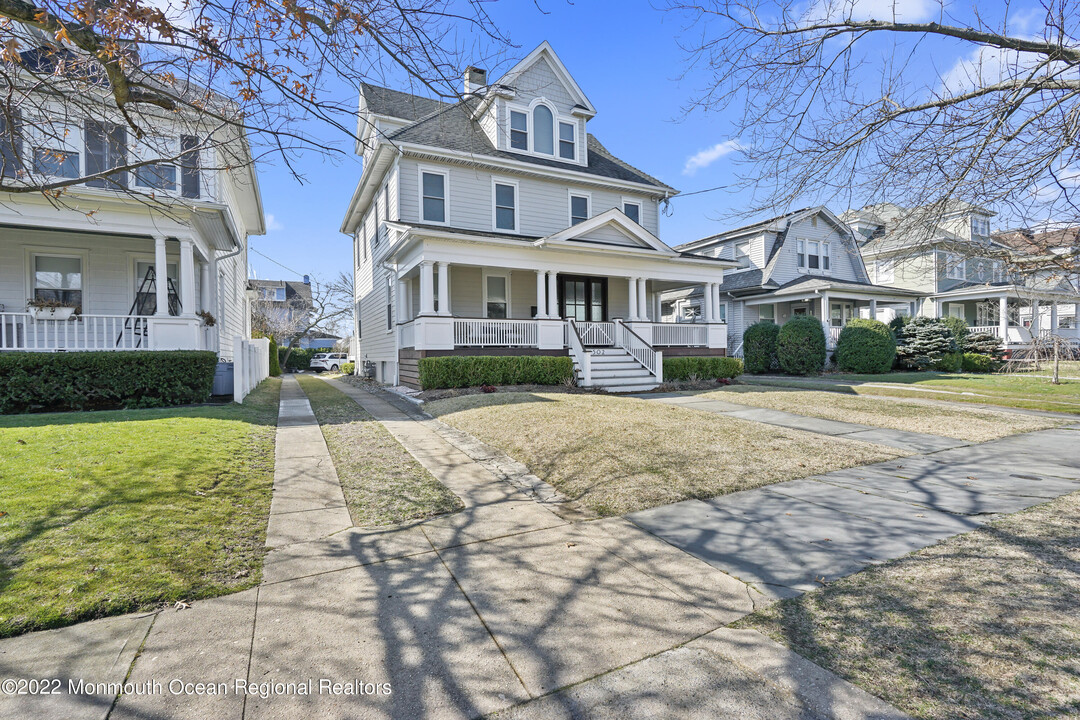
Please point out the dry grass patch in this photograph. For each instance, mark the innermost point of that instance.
(970, 424)
(617, 455)
(383, 483)
(982, 625)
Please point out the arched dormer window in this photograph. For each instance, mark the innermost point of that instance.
(543, 130)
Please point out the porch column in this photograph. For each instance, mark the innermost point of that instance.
(427, 288)
(541, 295)
(1054, 317)
(161, 274)
(187, 278)
(873, 308)
(1003, 318)
(939, 308)
(716, 302)
(657, 310)
(553, 294)
(826, 319)
(204, 286)
(1035, 324)
(444, 288)
(631, 294)
(706, 302)
(402, 310)
(643, 307)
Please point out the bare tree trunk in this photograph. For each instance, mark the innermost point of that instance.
(1057, 363)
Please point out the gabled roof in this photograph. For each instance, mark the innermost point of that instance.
(397, 104)
(295, 290)
(451, 127)
(614, 218)
(750, 229)
(544, 50)
(818, 282)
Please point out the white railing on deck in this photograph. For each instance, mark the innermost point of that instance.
(994, 330)
(581, 356)
(673, 334)
(20, 331)
(407, 335)
(597, 333)
(495, 333)
(834, 335)
(640, 350)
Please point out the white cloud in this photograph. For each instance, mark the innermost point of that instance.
(906, 10)
(272, 223)
(705, 158)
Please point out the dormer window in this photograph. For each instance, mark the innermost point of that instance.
(980, 227)
(567, 149)
(519, 130)
(812, 254)
(543, 130)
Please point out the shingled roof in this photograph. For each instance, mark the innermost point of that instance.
(450, 126)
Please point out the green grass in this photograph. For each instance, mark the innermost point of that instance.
(103, 513)
(981, 625)
(383, 483)
(1016, 391)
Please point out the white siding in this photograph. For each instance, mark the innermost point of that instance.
(540, 81)
(844, 259)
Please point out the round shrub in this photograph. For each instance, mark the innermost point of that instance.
(349, 368)
(800, 346)
(865, 346)
(978, 363)
(759, 347)
(275, 361)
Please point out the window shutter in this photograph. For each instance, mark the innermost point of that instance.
(95, 152)
(10, 144)
(190, 170)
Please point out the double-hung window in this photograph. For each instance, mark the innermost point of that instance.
(190, 167)
(506, 206)
(433, 200)
(496, 296)
(579, 209)
(884, 271)
(156, 175)
(812, 254)
(566, 141)
(767, 313)
(59, 278)
(954, 266)
(105, 148)
(389, 303)
(519, 130)
(632, 210)
(10, 145)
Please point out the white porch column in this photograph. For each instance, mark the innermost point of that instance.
(187, 277)
(1035, 324)
(402, 309)
(541, 295)
(643, 304)
(1003, 318)
(204, 287)
(706, 302)
(939, 308)
(427, 288)
(1054, 317)
(444, 289)
(631, 294)
(553, 294)
(657, 309)
(716, 302)
(873, 308)
(161, 275)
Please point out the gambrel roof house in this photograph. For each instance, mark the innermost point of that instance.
(498, 224)
(805, 262)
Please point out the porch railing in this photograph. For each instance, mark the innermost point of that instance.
(673, 334)
(640, 350)
(495, 333)
(597, 333)
(581, 356)
(994, 330)
(834, 335)
(21, 331)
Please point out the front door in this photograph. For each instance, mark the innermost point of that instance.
(583, 299)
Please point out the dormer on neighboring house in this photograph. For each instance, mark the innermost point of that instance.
(499, 221)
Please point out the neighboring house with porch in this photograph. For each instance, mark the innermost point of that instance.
(805, 262)
(961, 270)
(128, 272)
(499, 225)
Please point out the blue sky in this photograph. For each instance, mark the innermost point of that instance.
(626, 58)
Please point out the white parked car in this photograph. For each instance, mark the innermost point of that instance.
(328, 361)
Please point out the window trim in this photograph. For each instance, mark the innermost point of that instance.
(84, 260)
(505, 274)
(495, 181)
(570, 195)
(559, 139)
(557, 118)
(955, 270)
(640, 209)
(389, 303)
(421, 170)
(510, 130)
(803, 255)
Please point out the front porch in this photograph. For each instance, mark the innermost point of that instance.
(1021, 318)
(833, 309)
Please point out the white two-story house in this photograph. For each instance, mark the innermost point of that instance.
(499, 224)
(805, 262)
(131, 258)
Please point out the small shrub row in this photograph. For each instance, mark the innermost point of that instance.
(706, 368)
(349, 368)
(865, 346)
(299, 359)
(104, 380)
(759, 347)
(457, 371)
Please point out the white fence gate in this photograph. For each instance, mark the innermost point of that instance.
(251, 365)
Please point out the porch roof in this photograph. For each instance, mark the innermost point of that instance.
(1009, 290)
(799, 287)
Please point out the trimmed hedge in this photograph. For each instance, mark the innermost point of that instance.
(706, 368)
(978, 363)
(275, 359)
(104, 380)
(759, 347)
(865, 346)
(456, 371)
(950, 362)
(800, 346)
(349, 368)
(300, 359)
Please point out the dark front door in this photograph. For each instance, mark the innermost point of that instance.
(583, 298)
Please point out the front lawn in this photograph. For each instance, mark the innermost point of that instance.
(971, 424)
(383, 483)
(109, 512)
(982, 625)
(1016, 391)
(616, 455)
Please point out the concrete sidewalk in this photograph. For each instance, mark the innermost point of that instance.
(503, 607)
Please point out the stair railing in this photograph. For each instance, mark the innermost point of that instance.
(582, 356)
(650, 358)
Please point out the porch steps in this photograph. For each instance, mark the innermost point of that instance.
(617, 371)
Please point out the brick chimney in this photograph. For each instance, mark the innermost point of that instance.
(475, 78)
